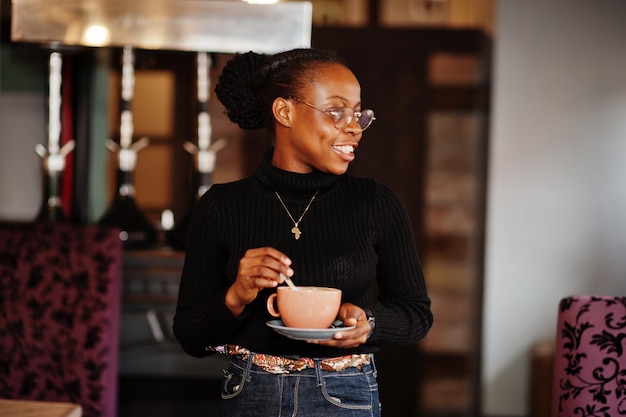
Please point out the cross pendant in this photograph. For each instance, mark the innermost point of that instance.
(296, 232)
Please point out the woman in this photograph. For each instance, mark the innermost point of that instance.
(299, 215)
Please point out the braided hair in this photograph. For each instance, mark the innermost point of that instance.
(250, 82)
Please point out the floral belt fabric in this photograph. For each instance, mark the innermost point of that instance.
(283, 365)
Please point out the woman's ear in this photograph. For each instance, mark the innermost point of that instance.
(282, 111)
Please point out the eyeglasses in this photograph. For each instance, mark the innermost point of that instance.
(344, 116)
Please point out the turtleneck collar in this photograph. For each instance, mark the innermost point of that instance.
(294, 183)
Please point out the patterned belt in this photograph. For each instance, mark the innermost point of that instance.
(284, 365)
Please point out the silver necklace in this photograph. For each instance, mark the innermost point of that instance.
(295, 229)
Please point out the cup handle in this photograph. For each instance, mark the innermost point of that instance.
(270, 306)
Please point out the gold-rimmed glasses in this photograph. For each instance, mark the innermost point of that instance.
(343, 116)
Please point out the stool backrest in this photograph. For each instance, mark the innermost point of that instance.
(590, 360)
(60, 291)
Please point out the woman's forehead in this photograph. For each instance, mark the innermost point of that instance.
(334, 80)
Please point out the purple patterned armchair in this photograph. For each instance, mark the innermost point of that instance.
(590, 361)
(60, 288)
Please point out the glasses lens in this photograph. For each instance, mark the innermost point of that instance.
(345, 116)
(342, 118)
(366, 118)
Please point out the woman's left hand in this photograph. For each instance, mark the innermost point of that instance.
(351, 315)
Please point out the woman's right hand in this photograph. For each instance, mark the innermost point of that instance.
(259, 268)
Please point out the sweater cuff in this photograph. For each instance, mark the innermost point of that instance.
(371, 320)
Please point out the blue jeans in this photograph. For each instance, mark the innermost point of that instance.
(247, 390)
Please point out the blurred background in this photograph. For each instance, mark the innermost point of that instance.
(501, 124)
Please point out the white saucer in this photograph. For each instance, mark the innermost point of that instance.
(306, 334)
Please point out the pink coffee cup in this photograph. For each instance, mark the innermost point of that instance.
(306, 307)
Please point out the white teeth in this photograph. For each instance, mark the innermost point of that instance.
(345, 148)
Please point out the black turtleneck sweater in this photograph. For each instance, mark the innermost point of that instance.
(356, 236)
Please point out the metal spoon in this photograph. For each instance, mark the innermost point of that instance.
(288, 281)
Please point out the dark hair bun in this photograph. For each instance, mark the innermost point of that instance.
(235, 91)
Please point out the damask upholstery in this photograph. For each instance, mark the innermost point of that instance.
(590, 362)
(60, 288)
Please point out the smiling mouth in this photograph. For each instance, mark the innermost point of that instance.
(345, 149)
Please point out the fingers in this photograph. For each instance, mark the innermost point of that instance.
(348, 339)
(351, 315)
(259, 268)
